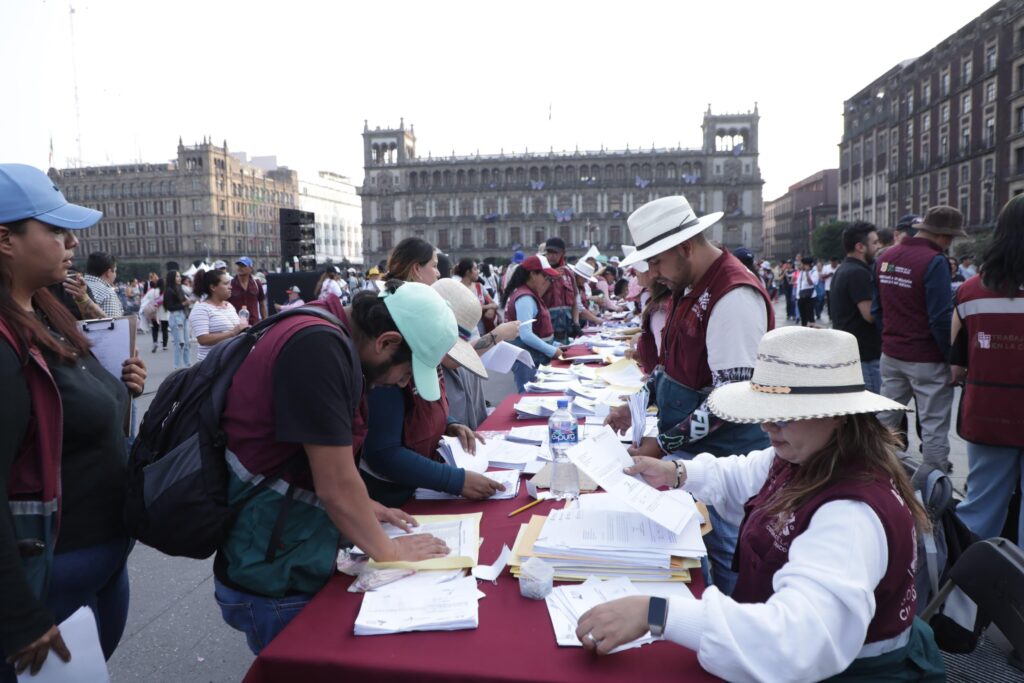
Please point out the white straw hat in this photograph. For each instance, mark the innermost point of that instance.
(662, 224)
(466, 308)
(639, 266)
(584, 270)
(800, 374)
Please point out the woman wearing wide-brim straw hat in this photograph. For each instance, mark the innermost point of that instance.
(826, 552)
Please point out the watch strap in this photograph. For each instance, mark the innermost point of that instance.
(657, 616)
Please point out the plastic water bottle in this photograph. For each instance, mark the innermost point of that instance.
(563, 430)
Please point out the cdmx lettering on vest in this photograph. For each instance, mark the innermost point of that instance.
(769, 358)
(781, 532)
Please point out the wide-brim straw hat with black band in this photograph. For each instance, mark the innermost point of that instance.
(800, 374)
(467, 310)
(662, 224)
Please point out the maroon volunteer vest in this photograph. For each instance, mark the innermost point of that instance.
(425, 421)
(684, 351)
(542, 325)
(992, 406)
(562, 291)
(248, 419)
(763, 546)
(899, 276)
(646, 344)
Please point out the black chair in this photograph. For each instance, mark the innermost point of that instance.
(991, 574)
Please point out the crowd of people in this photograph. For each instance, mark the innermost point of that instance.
(792, 436)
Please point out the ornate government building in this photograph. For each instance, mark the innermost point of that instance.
(490, 205)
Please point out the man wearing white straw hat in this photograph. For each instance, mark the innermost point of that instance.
(828, 517)
(719, 313)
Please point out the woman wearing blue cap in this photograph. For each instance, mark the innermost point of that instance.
(62, 438)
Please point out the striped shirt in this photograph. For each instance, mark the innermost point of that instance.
(206, 318)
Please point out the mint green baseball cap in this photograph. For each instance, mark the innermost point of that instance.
(428, 326)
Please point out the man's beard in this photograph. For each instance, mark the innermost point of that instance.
(372, 372)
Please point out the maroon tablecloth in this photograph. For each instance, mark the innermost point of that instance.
(514, 641)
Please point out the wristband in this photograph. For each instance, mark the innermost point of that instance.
(81, 301)
(657, 616)
(680, 473)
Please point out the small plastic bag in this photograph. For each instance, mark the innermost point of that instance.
(536, 578)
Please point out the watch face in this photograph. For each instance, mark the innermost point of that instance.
(657, 614)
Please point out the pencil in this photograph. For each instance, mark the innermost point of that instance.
(525, 507)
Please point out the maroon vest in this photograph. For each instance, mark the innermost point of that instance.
(562, 291)
(425, 421)
(646, 344)
(542, 325)
(991, 409)
(248, 419)
(763, 546)
(684, 351)
(899, 276)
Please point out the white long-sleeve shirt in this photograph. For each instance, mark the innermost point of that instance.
(815, 623)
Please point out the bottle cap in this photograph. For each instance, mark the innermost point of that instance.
(563, 403)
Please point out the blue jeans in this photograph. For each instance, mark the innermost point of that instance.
(176, 321)
(993, 472)
(258, 617)
(872, 375)
(522, 373)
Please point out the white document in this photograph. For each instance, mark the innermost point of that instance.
(503, 356)
(531, 434)
(622, 372)
(87, 663)
(603, 458)
(566, 604)
(449, 606)
(112, 340)
(459, 535)
(508, 478)
(455, 455)
(421, 579)
(638, 413)
(491, 572)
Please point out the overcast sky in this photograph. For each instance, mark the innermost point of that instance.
(296, 79)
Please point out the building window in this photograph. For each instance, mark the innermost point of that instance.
(491, 238)
(926, 94)
(990, 131)
(968, 67)
(926, 122)
(387, 211)
(443, 239)
(515, 235)
(990, 91)
(965, 103)
(1018, 119)
(441, 209)
(965, 139)
(965, 174)
(467, 238)
(910, 103)
(991, 55)
(386, 240)
(944, 83)
(538, 236)
(965, 203)
(944, 113)
(943, 179)
(944, 148)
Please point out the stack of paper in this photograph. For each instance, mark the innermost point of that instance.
(448, 606)
(495, 452)
(532, 407)
(461, 533)
(593, 424)
(536, 435)
(623, 372)
(508, 478)
(638, 412)
(604, 458)
(566, 604)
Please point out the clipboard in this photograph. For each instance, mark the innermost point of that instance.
(111, 340)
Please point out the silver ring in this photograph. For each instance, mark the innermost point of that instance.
(591, 638)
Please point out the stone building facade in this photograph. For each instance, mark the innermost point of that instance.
(490, 205)
(205, 204)
(333, 199)
(791, 219)
(944, 128)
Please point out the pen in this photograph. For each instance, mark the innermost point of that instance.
(525, 507)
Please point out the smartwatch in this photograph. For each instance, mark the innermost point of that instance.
(657, 615)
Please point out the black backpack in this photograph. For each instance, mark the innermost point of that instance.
(176, 499)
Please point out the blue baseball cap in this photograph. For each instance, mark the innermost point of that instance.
(518, 256)
(27, 192)
(244, 261)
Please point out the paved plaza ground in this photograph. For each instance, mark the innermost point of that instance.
(175, 631)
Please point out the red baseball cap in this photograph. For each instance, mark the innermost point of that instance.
(536, 262)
